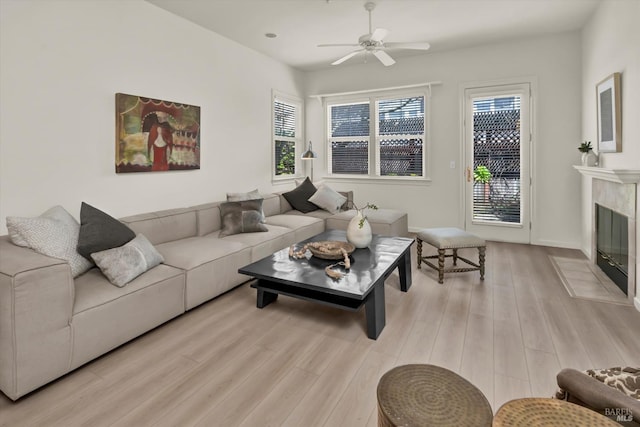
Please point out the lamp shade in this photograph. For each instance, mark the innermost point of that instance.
(309, 154)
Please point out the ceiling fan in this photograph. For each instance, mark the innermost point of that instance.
(374, 43)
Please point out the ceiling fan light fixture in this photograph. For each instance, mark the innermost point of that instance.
(373, 42)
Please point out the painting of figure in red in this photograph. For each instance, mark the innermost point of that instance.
(155, 136)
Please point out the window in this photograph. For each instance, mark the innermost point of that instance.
(349, 138)
(287, 135)
(392, 146)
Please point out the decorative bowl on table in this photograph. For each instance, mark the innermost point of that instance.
(330, 249)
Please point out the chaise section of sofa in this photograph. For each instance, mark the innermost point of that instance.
(386, 222)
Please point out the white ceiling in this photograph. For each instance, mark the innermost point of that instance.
(301, 25)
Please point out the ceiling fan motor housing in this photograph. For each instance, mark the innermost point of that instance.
(366, 42)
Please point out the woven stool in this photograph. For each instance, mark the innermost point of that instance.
(454, 239)
(428, 395)
(543, 412)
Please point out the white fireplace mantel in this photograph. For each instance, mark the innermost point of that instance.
(615, 189)
(621, 176)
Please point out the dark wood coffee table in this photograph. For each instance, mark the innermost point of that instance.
(363, 284)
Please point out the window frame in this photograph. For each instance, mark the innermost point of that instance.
(329, 139)
(374, 146)
(298, 140)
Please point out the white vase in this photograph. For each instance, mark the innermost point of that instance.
(360, 237)
(589, 158)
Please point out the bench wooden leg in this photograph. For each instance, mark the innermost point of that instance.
(419, 248)
(455, 257)
(441, 253)
(481, 257)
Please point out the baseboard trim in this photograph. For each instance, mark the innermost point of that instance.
(557, 244)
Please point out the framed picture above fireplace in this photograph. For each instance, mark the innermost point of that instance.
(608, 99)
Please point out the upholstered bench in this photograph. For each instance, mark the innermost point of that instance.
(454, 239)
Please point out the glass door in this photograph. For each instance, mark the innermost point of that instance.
(497, 141)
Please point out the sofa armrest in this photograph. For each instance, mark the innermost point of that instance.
(36, 305)
(595, 394)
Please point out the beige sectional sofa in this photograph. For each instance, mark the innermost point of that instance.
(51, 323)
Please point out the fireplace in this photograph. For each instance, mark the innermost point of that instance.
(618, 191)
(612, 245)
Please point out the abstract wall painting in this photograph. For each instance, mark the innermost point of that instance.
(154, 135)
(609, 114)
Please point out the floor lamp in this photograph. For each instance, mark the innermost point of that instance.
(309, 155)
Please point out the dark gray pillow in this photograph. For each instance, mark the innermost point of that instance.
(298, 198)
(99, 231)
(241, 217)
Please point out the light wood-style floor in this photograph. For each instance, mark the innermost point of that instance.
(295, 363)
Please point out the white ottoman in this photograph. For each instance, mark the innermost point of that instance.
(454, 239)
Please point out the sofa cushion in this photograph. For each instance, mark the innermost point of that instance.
(298, 198)
(164, 226)
(105, 316)
(241, 217)
(211, 265)
(100, 231)
(264, 244)
(208, 218)
(319, 214)
(54, 233)
(304, 226)
(123, 264)
(239, 197)
(190, 253)
(328, 199)
(271, 204)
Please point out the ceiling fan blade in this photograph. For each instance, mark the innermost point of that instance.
(384, 57)
(416, 45)
(339, 44)
(344, 58)
(379, 34)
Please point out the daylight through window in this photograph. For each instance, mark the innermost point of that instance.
(287, 135)
(393, 145)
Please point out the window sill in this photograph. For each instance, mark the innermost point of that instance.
(379, 180)
(286, 180)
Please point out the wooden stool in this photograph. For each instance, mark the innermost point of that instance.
(428, 395)
(451, 238)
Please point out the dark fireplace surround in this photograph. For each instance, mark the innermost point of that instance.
(612, 245)
(614, 232)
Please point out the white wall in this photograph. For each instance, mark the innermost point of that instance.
(62, 63)
(554, 61)
(611, 43)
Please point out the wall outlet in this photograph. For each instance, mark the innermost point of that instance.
(452, 165)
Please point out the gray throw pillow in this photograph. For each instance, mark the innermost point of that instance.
(100, 231)
(241, 217)
(299, 197)
(54, 233)
(250, 195)
(123, 264)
